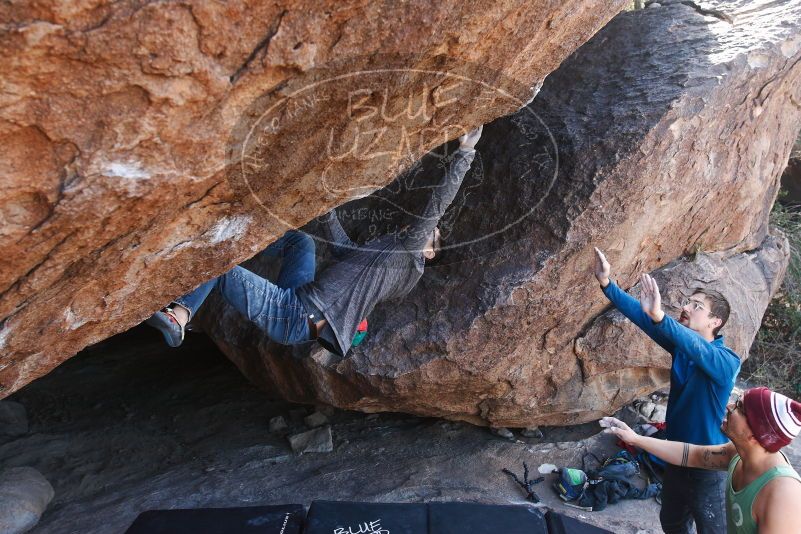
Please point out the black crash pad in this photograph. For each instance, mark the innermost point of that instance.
(332, 517)
(562, 524)
(285, 519)
(460, 518)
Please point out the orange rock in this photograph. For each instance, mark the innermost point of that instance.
(119, 124)
(671, 129)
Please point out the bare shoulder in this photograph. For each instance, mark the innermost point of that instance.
(778, 506)
(780, 487)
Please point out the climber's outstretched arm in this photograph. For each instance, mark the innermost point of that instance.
(444, 193)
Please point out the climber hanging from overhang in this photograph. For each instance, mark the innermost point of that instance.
(330, 308)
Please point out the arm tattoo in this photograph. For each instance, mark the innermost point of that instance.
(715, 458)
(685, 455)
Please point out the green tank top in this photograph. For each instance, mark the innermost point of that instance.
(738, 503)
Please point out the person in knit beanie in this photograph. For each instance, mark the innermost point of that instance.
(763, 491)
(774, 419)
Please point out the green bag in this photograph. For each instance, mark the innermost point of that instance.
(570, 484)
(361, 333)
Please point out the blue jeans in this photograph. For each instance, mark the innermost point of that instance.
(273, 307)
(690, 494)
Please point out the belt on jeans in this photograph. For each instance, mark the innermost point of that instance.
(314, 316)
(313, 334)
(315, 327)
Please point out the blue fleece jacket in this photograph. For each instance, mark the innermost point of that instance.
(701, 377)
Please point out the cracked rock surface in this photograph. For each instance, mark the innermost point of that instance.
(125, 125)
(661, 141)
(791, 178)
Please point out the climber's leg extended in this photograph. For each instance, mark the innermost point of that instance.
(297, 252)
(269, 305)
(275, 310)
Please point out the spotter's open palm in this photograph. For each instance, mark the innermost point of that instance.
(650, 298)
(601, 268)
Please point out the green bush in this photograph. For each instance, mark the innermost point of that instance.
(775, 359)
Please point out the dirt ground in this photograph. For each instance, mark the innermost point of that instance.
(129, 425)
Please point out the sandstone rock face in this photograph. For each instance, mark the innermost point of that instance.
(128, 172)
(664, 136)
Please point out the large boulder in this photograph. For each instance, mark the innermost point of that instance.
(660, 140)
(129, 170)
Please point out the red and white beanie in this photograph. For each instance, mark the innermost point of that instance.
(773, 418)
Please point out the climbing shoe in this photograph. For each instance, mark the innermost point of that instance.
(165, 322)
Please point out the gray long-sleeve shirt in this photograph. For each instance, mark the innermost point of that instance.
(388, 268)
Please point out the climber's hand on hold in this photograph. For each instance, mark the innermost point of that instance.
(468, 141)
(601, 269)
(619, 429)
(650, 299)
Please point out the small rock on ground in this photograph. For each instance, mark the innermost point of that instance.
(315, 440)
(326, 409)
(24, 496)
(532, 432)
(503, 432)
(314, 420)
